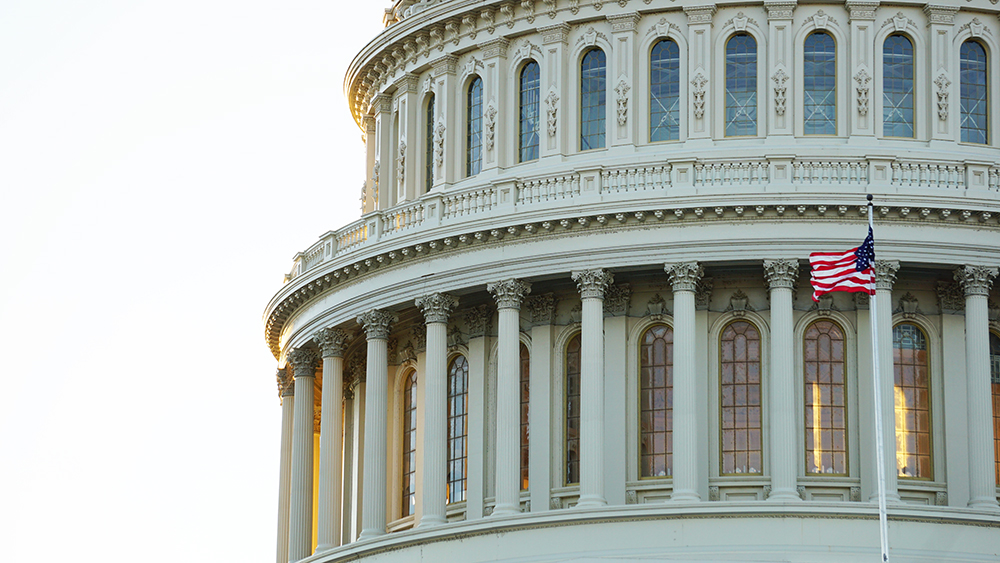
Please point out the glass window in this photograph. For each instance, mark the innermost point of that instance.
(820, 84)
(664, 91)
(741, 86)
(429, 145)
(974, 93)
(656, 402)
(995, 382)
(525, 375)
(897, 87)
(409, 443)
(825, 399)
(740, 407)
(458, 427)
(573, 411)
(528, 124)
(474, 128)
(913, 405)
(593, 95)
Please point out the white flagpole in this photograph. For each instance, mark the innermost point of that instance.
(879, 450)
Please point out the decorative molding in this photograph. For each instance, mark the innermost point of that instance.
(332, 342)
(487, 14)
(593, 284)
(862, 301)
(401, 163)
(358, 368)
(303, 361)
(489, 124)
(590, 36)
(862, 78)
(477, 320)
(656, 308)
(951, 297)
(631, 497)
(471, 66)
(863, 10)
(494, 48)
(779, 79)
(616, 300)
(525, 50)
(622, 98)
(684, 276)
(713, 493)
(439, 144)
(377, 323)
(942, 84)
(541, 308)
(574, 7)
(391, 350)
(781, 10)
(447, 64)
(529, 7)
(703, 294)
(436, 307)
(698, 94)
(740, 21)
(940, 14)
(286, 383)
(418, 332)
(976, 280)
(739, 304)
(551, 110)
(507, 10)
(624, 22)
(885, 274)
(558, 33)
(509, 293)
(470, 20)
(781, 273)
(700, 14)
(455, 338)
(941, 498)
(662, 28)
(855, 494)
(908, 306)
(819, 20)
(975, 27)
(824, 306)
(899, 22)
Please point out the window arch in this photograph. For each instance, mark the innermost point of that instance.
(820, 84)
(593, 97)
(825, 392)
(409, 483)
(525, 390)
(911, 374)
(995, 384)
(458, 427)
(974, 93)
(740, 395)
(897, 86)
(429, 144)
(572, 439)
(656, 401)
(664, 91)
(530, 100)
(741, 85)
(474, 128)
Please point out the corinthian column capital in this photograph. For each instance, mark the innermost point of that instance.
(303, 362)
(685, 275)
(437, 307)
(377, 323)
(593, 283)
(885, 273)
(781, 273)
(286, 384)
(332, 342)
(509, 293)
(975, 280)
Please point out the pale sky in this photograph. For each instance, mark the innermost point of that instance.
(161, 162)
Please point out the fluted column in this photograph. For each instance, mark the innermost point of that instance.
(781, 276)
(377, 325)
(885, 276)
(437, 307)
(509, 295)
(592, 285)
(332, 342)
(976, 281)
(300, 511)
(286, 390)
(684, 277)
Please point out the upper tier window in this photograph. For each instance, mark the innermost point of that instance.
(593, 95)
(974, 93)
(664, 92)
(741, 86)
(897, 87)
(528, 123)
(429, 145)
(474, 128)
(820, 84)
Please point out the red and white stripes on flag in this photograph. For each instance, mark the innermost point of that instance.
(839, 271)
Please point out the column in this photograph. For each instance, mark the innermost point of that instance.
(622, 127)
(780, 104)
(384, 165)
(478, 321)
(286, 390)
(370, 195)
(376, 324)
(700, 71)
(941, 23)
(447, 142)
(437, 308)
(684, 278)
(885, 276)
(494, 101)
(358, 455)
(332, 342)
(509, 295)
(781, 275)
(300, 511)
(348, 476)
(976, 282)
(861, 66)
(592, 285)
(542, 309)
(408, 176)
(553, 139)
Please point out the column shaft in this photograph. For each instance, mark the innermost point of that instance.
(684, 278)
(330, 454)
(357, 454)
(435, 444)
(885, 276)
(781, 275)
(348, 468)
(373, 515)
(301, 509)
(285, 470)
(508, 415)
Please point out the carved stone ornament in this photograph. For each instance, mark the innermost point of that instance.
(590, 36)
(684, 276)
(622, 98)
(437, 307)
(975, 27)
(819, 20)
(593, 283)
(332, 342)
(908, 306)
(418, 333)
(779, 10)
(469, 20)
(942, 84)
(401, 163)
(976, 280)
(885, 274)
(525, 50)
(941, 498)
(616, 300)
(455, 337)
(862, 78)
(541, 308)
(740, 22)
(576, 313)
(824, 305)
(781, 273)
(631, 497)
(377, 323)
(439, 144)
(898, 22)
(739, 304)
(855, 494)
(509, 293)
(698, 94)
(713, 493)
(555, 503)
(951, 298)
(529, 7)
(489, 124)
(574, 7)
(358, 369)
(552, 106)
(477, 319)
(487, 15)
(552, 8)
(662, 28)
(303, 362)
(862, 301)
(408, 353)
(703, 294)
(391, 349)
(656, 308)
(286, 383)
(507, 10)
(779, 79)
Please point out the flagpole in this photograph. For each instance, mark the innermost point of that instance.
(879, 449)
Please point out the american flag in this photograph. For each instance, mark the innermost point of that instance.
(844, 271)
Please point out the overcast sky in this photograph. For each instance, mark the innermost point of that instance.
(161, 162)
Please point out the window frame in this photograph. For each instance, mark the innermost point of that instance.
(430, 117)
(564, 466)
(580, 100)
(681, 108)
(849, 373)
(758, 91)
(640, 339)
(837, 73)
(449, 438)
(519, 95)
(931, 397)
(763, 470)
(879, 91)
(988, 117)
(409, 375)
(470, 119)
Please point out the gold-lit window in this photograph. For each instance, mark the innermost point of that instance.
(573, 411)
(825, 399)
(740, 399)
(525, 374)
(409, 443)
(458, 397)
(656, 402)
(995, 383)
(911, 372)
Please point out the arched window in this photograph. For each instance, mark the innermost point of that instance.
(820, 84)
(974, 93)
(825, 399)
(897, 87)
(656, 402)
(458, 427)
(474, 128)
(664, 91)
(740, 393)
(913, 405)
(429, 145)
(525, 388)
(409, 443)
(741, 86)
(593, 96)
(995, 381)
(573, 411)
(528, 123)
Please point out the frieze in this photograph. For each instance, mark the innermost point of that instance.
(494, 48)
(558, 33)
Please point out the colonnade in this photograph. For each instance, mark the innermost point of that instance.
(369, 474)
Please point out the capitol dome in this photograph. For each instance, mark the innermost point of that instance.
(574, 320)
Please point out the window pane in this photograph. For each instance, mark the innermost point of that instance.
(409, 443)
(429, 145)
(573, 411)
(897, 87)
(826, 422)
(528, 130)
(656, 385)
(474, 129)
(740, 408)
(820, 84)
(593, 93)
(974, 93)
(458, 384)
(741, 86)
(912, 398)
(664, 92)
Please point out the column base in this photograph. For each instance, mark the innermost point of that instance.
(890, 498)
(429, 521)
(325, 547)
(506, 509)
(784, 495)
(685, 496)
(591, 501)
(369, 533)
(985, 503)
